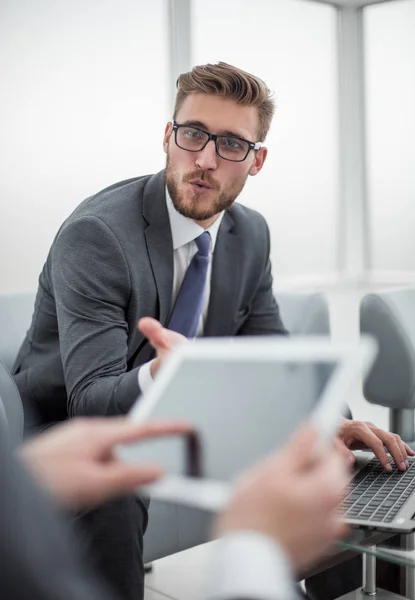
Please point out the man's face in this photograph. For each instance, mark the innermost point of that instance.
(202, 184)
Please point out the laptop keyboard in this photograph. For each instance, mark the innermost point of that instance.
(376, 495)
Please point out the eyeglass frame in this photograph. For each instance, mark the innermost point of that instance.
(214, 136)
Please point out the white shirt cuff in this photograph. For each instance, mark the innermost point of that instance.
(144, 377)
(250, 565)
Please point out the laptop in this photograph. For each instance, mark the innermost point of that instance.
(380, 500)
(244, 397)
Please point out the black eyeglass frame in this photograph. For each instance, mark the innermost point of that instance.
(213, 136)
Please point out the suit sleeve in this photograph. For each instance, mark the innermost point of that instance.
(38, 557)
(91, 283)
(264, 315)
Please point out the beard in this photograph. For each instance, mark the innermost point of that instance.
(194, 205)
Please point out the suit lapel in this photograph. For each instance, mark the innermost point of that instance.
(226, 268)
(225, 283)
(159, 241)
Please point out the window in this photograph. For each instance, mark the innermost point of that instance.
(390, 74)
(84, 104)
(290, 44)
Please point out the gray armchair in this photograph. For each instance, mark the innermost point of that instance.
(16, 312)
(11, 406)
(15, 315)
(304, 314)
(389, 317)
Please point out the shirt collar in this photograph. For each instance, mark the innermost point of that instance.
(185, 230)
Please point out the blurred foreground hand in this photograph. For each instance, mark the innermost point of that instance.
(75, 461)
(292, 497)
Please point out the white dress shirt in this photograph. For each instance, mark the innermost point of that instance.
(247, 564)
(184, 231)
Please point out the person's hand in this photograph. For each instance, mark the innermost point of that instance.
(76, 463)
(162, 340)
(292, 497)
(360, 435)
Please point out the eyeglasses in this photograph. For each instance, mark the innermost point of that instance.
(229, 147)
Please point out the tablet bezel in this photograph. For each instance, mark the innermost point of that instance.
(352, 362)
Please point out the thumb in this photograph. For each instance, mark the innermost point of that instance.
(344, 451)
(154, 332)
(303, 447)
(121, 478)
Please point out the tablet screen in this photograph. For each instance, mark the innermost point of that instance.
(241, 409)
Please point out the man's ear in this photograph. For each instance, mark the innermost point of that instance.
(167, 134)
(258, 163)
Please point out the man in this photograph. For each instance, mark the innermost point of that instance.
(175, 247)
(122, 255)
(268, 532)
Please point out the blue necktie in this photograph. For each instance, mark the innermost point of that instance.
(189, 303)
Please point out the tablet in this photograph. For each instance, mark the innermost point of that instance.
(244, 397)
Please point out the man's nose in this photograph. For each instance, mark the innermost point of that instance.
(207, 158)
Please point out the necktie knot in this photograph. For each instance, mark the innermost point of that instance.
(203, 243)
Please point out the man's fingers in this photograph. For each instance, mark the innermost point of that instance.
(404, 452)
(395, 446)
(303, 446)
(306, 447)
(329, 474)
(163, 340)
(409, 450)
(154, 332)
(121, 431)
(160, 428)
(373, 442)
(344, 451)
(120, 478)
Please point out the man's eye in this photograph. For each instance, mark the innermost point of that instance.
(231, 143)
(192, 133)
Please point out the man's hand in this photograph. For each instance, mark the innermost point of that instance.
(162, 340)
(76, 463)
(359, 435)
(293, 497)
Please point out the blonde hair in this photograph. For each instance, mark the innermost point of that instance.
(228, 81)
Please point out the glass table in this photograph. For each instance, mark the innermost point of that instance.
(394, 549)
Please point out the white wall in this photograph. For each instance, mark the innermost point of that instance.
(390, 67)
(84, 104)
(291, 45)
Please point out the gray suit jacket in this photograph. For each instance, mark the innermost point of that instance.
(110, 264)
(38, 557)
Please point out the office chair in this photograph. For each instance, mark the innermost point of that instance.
(389, 316)
(11, 406)
(304, 314)
(16, 312)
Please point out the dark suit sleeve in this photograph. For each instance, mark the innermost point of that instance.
(91, 284)
(264, 315)
(38, 557)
